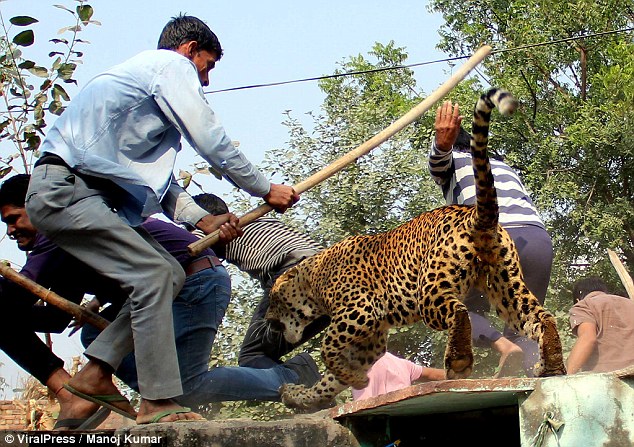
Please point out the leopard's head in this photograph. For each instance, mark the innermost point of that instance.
(292, 305)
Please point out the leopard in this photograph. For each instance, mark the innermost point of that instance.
(419, 271)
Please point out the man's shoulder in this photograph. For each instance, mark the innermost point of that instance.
(608, 299)
(151, 60)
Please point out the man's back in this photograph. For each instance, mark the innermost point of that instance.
(389, 373)
(613, 316)
(267, 246)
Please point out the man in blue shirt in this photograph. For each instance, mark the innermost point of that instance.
(107, 164)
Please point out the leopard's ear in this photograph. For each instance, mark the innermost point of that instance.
(287, 276)
(300, 271)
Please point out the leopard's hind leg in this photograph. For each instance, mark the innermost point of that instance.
(522, 312)
(347, 366)
(448, 314)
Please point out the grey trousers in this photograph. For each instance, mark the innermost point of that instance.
(76, 213)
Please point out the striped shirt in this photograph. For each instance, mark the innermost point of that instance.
(453, 172)
(267, 246)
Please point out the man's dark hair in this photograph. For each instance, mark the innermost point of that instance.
(463, 141)
(463, 144)
(582, 287)
(13, 190)
(182, 29)
(211, 203)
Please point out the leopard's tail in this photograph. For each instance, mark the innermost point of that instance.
(486, 196)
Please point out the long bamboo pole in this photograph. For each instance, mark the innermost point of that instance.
(77, 311)
(195, 248)
(626, 279)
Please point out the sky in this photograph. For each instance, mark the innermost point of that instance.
(263, 42)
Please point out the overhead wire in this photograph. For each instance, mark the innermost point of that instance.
(419, 64)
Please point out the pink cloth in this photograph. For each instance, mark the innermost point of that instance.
(614, 317)
(389, 373)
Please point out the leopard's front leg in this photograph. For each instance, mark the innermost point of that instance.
(307, 400)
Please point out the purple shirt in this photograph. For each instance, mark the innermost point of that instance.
(54, 269)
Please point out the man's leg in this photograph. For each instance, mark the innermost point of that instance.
(256, 350)
(126, 371)
(484, 334)
(239, 383)
(79, 219)
(198, 312)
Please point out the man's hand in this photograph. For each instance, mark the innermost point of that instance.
(93, 305)
(227, 224)
(447, 125)
(281, 197)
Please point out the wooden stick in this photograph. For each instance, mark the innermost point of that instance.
(195, 248)
(626, 279)
(77, 311)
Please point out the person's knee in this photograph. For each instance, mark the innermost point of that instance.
(165, 274)
(178, 278)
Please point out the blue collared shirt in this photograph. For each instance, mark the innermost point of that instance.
(126, 125)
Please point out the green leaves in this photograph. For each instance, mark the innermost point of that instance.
(28, 107)
(84, 12)
(22, 20)
(59, 92)
(25, 38)
(65, 71)
(39, 71)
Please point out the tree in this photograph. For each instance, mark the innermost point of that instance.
(572, 141)
(380, 189)
(26, 105)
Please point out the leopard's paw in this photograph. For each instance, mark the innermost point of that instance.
(302, 399)
(556, 369)
(460, 367)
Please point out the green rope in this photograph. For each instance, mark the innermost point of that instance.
(549, 423)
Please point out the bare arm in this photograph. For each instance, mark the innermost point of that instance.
(431, 374)
(583, 348)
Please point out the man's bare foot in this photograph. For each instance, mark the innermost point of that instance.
(71, 408)
(164, 410)
(95, 381)
(511, 358)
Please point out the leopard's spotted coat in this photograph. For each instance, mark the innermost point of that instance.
(418, 271)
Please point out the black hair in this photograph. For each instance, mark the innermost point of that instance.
(463, 141)
(463, 144)
(582, 287)
(211, 203)
(13, 190)
(182, 29)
